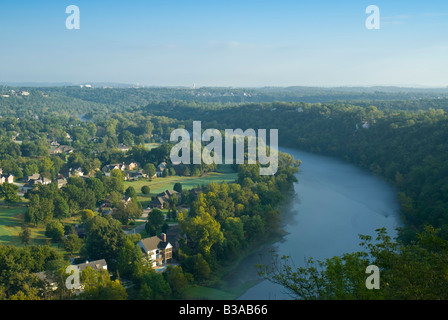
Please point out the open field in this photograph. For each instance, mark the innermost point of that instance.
(11, 220)
(150, 146)
(161, 184)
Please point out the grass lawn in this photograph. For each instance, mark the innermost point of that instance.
(150, 146)
(11, 220)
(161, 184)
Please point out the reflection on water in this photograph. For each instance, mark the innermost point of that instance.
(334, 202)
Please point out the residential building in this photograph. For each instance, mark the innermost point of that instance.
(50, 280)
(123, 148)
(158, 249)
(162, 198)
(160, 168)
(61, 182)
(9, 178)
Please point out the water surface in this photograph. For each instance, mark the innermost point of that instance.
(334, 202)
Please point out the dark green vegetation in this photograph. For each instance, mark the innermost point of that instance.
(411, 272)
(76, 189)
(397, 134)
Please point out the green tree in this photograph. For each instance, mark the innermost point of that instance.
(54, 230)
(25, 235)
(130, 192)
(8, 192)
(130, 263)
(177, 280)
(40, 210)
(153, 286)
(197, 266)
(72, 243)
(203, 229)
(127, 211)
(146, 190)
(104, 239)
(156, 220)
(414, 271)
(61, 208)
(97, 186)
(86, 215)
(178, 187)
(99, 286)
(149, 169)
(115, 198)
(30, 169)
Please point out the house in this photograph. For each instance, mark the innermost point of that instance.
(160, 168)
(9, 178)
(95, 265)
(131, 165)
(65, 174)
(49, 277)
(135, 175)
(168, 193)
(61, 182)
(196, 191)
(26, 187)
(158, 249)
(33, 177)
(46, 181)
(162, 198)
(123, 148)
(78, 172)
(110, 167)
(158, 202)
(54, 150)
(37, 179)
(105, 204)
(66, 149)
(126, 199)
(111, 212)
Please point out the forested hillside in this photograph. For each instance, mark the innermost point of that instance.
(408, 149)
(399, 136)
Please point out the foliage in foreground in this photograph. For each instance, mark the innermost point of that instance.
(417, 271)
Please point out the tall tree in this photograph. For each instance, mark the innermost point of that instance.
(104, 239)
(149, 169)
(8, 192)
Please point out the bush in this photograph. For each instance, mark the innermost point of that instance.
(54, 230)
(146, 190)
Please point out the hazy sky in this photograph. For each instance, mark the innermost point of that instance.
(226, 42)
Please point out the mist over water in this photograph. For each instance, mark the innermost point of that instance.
(334, 203)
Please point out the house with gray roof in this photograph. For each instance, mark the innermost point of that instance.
(158, 249)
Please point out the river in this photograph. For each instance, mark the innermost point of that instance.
(334, 202)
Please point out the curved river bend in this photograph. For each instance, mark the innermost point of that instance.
(334, 202)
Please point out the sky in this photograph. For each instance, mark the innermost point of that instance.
(242, 43)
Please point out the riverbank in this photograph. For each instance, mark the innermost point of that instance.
(335, 202)
(240, 275)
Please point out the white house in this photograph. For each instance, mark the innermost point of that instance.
(158, 249)
(9, 178)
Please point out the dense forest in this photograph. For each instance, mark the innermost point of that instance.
(398, 134)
